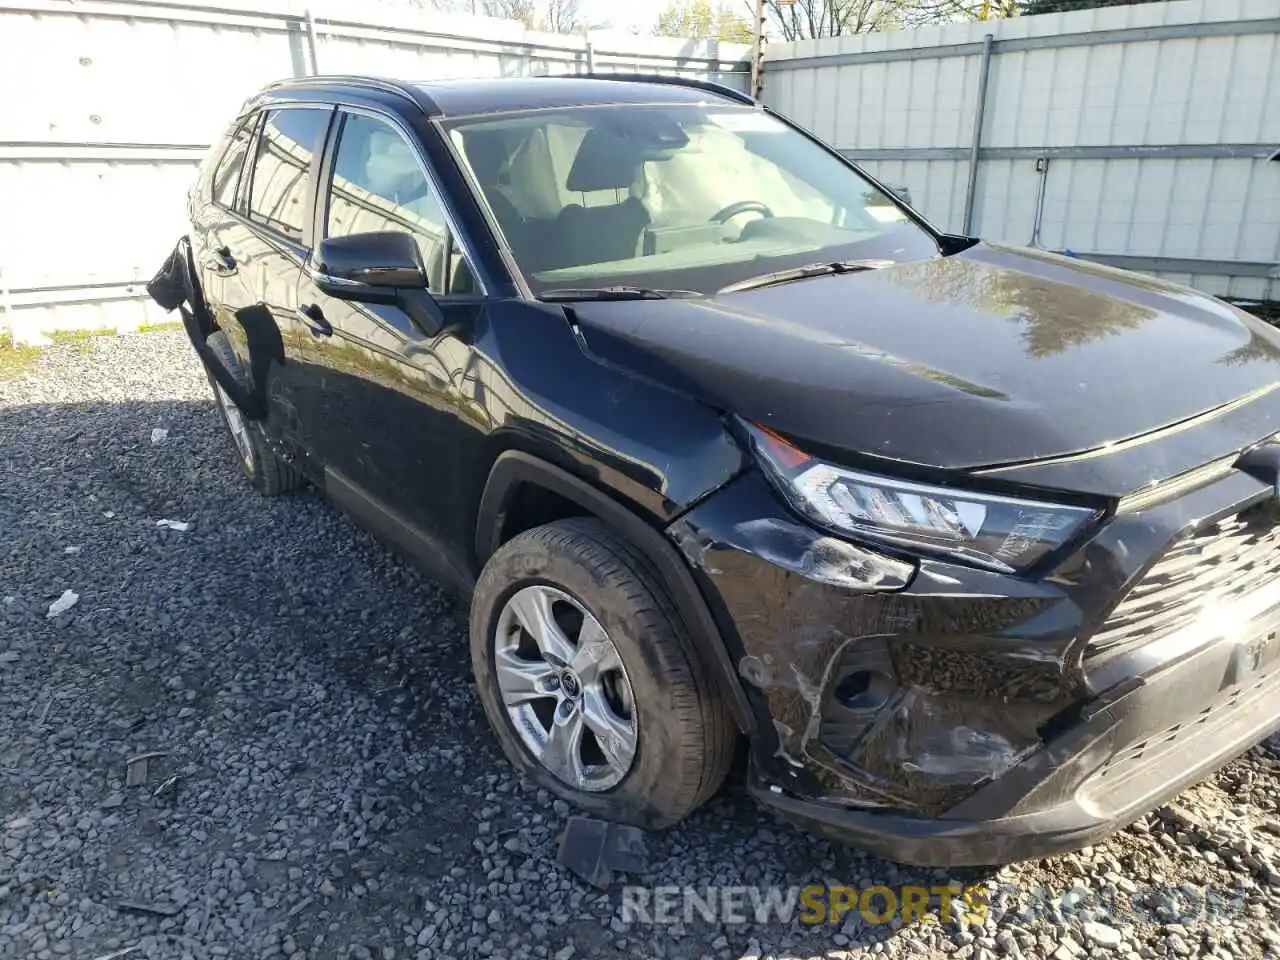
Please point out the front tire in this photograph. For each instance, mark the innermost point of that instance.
(589, 680)
(266, 471)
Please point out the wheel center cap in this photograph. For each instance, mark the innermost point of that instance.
(570, 684)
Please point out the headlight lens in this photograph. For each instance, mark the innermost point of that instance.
(1001, 533)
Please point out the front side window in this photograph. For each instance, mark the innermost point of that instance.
(679, 196)
(278, 195)
(226, 176)
(380, 185)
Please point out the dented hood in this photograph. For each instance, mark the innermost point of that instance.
(997, 355)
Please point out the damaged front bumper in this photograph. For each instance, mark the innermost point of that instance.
(960, 721)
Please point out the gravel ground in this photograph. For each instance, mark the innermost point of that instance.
(322, 782)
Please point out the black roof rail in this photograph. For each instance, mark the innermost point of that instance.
(406, 90)
(710, 86)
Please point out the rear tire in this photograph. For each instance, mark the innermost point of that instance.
(266, 471)
(668, 735)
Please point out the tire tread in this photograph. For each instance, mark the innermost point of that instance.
(720, 737)
(273, 475)
(700, 717)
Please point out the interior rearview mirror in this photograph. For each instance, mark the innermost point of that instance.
(381, 267)
(901, 192)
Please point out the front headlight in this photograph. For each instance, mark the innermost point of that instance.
(1000, 533)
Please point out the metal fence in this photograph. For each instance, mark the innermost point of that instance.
(108, 105)
(1146, 137)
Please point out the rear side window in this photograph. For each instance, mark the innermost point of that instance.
(226, 177)
(278, 193)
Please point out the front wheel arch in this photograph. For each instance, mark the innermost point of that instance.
(515, 468)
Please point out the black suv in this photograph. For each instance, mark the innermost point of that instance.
(974, 544)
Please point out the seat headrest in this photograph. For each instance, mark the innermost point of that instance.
(391, 168)
(605, 161)
(486, 155)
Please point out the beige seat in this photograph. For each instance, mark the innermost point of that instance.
(611, 231)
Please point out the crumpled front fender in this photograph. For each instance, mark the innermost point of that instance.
(904, 699)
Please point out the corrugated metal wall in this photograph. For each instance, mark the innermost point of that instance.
(1143, 134)
(106, 106)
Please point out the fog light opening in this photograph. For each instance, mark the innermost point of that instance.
(863, 690)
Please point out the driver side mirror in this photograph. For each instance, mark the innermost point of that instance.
(383, 267)
(368, 266)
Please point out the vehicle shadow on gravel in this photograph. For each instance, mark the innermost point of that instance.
(323, 783)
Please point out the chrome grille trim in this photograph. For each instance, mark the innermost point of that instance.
(1214, 566)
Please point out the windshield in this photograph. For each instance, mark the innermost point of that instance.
(688, 198)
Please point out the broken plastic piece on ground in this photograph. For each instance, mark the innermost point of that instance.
(159, 435)
(167, 792)
(64, 603)
(154, 909)
(180, 525)
(137, 769)
(119, 954)
(594, 849)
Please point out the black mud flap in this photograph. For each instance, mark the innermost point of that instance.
(176, 287)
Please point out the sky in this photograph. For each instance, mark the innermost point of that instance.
(624, 14)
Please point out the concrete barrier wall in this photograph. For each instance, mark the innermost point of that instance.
(1141, 136)
(108, 105)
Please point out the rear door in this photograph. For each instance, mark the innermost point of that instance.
(217, 219)
(261, 253)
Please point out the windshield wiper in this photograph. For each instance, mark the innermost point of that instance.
(563, 294)
(804, 273)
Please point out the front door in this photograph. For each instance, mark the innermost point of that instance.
(396, 419)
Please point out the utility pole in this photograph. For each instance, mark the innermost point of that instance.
(757, 52)
(312, 43)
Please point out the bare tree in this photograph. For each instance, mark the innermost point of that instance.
(555, 16)
(919, 12)
(524, 11)
(562, 16)
(806, 19)
(451, 6)
(701, 20)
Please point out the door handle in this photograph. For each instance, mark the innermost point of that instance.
(222, 262)
(313, 317)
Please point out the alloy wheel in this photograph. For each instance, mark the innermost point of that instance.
(565, 688)
(236, 424)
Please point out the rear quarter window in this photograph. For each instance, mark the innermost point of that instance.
(226, 173)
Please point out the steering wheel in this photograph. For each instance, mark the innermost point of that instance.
(725, 214)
